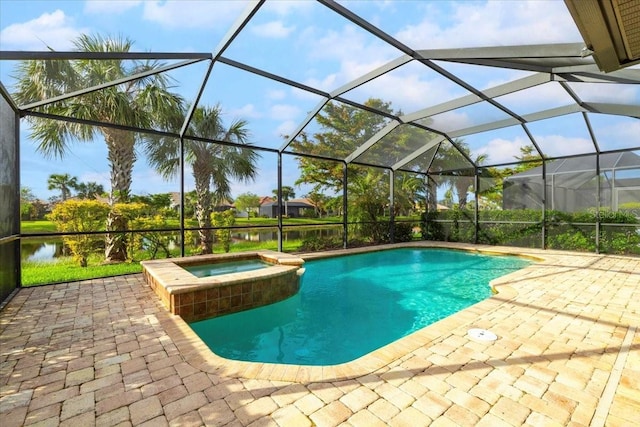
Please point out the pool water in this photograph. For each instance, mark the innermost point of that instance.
(351, 305)
(219, 268)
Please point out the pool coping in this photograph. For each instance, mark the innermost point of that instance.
(200, 356)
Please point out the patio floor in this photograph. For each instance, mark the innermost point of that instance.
(106, 352)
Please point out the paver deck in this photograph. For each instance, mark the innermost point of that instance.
(106, 352)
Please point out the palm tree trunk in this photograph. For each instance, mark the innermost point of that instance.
(203, 209)
(121, 157)
(462, 188)
(432, 194)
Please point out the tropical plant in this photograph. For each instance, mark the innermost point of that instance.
(222, 221)
(145, 102)
(63, 182)
(80, 216)
(213, 164)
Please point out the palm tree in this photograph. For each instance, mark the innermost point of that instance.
(460, 179)
(213, 164)
(141, 103)
(89, 190)
(63, 182)
(288, 193)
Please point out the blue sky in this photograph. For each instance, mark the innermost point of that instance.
(303, 41)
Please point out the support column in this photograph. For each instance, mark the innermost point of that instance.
(392, 217)
(345, 183)
(182, 231)
(476, 187)
(279, 202)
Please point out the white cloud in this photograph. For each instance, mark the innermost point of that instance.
(559, 145)
(283, 8)
(54, 30)
(273, 29)
(284, 111)
(501, 150)
(245, 112)
(193, 14)
(606, 92)
(109, 6)
(327, 83)
(276, 94)
(451, 120)
(494, 23)
(286, 128)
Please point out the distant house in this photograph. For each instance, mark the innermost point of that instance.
(294, 208)
(225, 205)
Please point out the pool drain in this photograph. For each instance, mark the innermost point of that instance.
(482, 335)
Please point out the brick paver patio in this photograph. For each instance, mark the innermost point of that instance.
(105, 352)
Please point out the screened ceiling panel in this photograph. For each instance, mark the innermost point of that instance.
(540, 97)
(271, 108)
(449, 158)
(301, 40)
(423, 160)
(566, 135)
(628, 94)
(396, 145)
(100, 103)
(615, 132)
(482, 77)
(499, 146)
(351, 127)
(409, 87)
(93, 76)
(465, 117)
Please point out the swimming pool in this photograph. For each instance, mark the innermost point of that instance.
(229, 267)
(351, 305)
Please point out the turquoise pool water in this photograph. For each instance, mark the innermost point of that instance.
(351, 305)
(218, 268)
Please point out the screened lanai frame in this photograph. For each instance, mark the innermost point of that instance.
(561, 65)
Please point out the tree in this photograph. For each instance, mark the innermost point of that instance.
(213, 164)
(141, 103)
(89, 190)
(27, 200)
(288, 193)
(460, 179)
(529, 157)
(248, 202)
(343, 130)
(320, 202)
(63, 182)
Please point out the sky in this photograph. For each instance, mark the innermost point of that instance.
(305, 42)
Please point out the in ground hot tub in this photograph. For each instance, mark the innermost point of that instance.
(237, 281)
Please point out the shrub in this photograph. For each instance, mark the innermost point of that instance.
(77, 216)
(565, 230)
